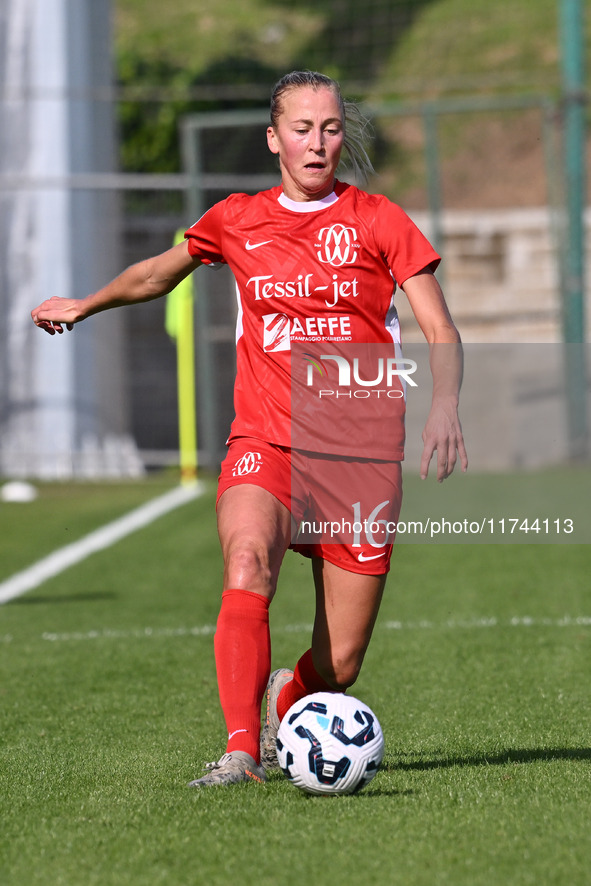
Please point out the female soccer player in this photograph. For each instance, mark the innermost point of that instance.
(317, 263)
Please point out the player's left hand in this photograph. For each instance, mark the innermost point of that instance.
(443, 434)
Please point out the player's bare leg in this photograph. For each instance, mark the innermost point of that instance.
(255, 531)
(347, 605)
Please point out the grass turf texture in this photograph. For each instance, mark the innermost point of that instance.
(109, 706)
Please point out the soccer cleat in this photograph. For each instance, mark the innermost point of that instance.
(277, 681)
(231, 769)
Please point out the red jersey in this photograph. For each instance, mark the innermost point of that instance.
(312, 272)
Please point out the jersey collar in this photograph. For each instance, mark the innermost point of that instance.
(308, 206)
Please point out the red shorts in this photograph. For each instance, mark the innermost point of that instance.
(345, 510)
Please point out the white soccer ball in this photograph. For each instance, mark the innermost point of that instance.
(18, 491)
(330, 743)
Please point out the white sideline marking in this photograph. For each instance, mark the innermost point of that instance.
(517, 621)
(98, 540)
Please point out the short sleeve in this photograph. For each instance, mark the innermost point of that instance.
(404, 247)
(205, 237)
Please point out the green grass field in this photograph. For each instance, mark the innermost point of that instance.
(479, 671)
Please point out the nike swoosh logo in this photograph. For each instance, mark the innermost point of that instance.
(362, 558)
(250, 245)
(236, 731)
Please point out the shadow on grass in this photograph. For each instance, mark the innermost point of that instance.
(277, 778)
(516, 755)
(367, 794)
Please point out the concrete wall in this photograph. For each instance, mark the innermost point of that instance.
(501, 275)
(502, 282)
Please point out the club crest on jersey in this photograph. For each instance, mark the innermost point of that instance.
(250, 463)
(337, 245)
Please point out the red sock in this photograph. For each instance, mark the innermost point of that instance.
(305, 681)
(243, 662)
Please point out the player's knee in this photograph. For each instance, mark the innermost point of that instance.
(345, 677)
(341, 672)
(247, 566)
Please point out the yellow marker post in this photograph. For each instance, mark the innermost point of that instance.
(179, 325)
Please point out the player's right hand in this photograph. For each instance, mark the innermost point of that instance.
(55, 313)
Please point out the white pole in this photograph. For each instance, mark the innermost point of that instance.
(62, 402)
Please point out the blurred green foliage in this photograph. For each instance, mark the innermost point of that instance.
(191, 56)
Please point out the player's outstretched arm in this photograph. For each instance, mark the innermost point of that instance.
(141, 282)
(443, 430)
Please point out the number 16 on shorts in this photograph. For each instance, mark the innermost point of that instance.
(375, 529)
